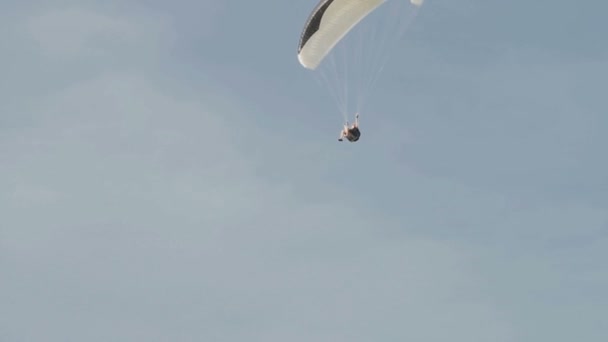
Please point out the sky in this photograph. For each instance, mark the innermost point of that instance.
(169, 172)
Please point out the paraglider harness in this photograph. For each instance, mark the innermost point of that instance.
(353, 133)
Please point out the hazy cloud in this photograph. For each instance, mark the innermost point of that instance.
(153, 190)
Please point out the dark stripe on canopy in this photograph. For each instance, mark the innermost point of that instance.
(313, 22)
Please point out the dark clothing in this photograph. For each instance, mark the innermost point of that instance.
(353, 134)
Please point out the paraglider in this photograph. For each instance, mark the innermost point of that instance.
(329, 27)
(351, 133)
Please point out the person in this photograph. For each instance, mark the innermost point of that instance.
(351, 133)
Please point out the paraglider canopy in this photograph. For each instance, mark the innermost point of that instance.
(346, 44)
(328, 23)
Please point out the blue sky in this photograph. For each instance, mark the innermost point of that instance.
(169, 172)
